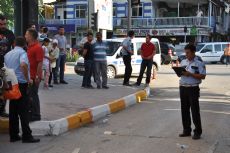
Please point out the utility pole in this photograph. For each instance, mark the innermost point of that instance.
(18, 17)
(129, 15)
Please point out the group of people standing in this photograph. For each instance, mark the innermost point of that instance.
(95, 61)
(33, 58)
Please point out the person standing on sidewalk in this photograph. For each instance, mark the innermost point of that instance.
(227, 54)
(62, 42)
(88, 62)
(190, 91)
(127, 52)
(18, 61)
(8, 36)
(54, 55)
(100, 62)
(147, 52)
(35, 56)
(46, 62)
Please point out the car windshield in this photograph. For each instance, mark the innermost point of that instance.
(113, 47)
(199, 47)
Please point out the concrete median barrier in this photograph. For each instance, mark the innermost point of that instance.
(74, 121)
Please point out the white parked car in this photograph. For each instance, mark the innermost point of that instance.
(211, 52)
(115, 63)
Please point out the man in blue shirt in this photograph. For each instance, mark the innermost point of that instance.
(100, 62)
(190, 92)
(18, 61)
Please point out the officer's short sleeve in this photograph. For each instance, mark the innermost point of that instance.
(125, 43)
(202, 68)
(24, 59)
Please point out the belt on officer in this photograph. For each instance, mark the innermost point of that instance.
(189, 85)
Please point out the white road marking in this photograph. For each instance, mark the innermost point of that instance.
(77, 150)
(206, 111)
(202, 100)
(94, 152)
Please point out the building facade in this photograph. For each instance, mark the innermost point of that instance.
(205, 20)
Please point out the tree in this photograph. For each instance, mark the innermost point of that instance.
(7, 9)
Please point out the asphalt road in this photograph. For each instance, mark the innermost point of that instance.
(150, 127)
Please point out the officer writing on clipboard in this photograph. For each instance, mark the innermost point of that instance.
(190, 92)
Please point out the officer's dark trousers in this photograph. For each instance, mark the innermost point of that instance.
(20, 109)
(144, 64)
(190, 100)
(128, 68)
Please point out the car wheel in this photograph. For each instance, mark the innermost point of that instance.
(162, 59)
(111, 72)
(223, 60)
(154, 67)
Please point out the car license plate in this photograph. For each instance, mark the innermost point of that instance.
(81, 69)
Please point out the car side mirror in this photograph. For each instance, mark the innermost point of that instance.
(118, 55)
(139, 52)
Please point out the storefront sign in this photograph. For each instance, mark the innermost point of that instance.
(165, 32)
(68, 28)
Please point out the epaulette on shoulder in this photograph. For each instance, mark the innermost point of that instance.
(199, 58)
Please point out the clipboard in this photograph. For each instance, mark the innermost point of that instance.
(179, 70)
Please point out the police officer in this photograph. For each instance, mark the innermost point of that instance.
(127, 52)
(190, 92)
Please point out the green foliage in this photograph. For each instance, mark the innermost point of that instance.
(72, 57)
(7, 9)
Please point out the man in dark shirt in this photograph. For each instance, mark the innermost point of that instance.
(8, 37)
(88, 56)
(6, 33)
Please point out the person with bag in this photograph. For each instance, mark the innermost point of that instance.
(227, 54)
(17, 60)
(8, 37)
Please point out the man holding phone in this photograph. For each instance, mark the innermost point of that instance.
(190, 91)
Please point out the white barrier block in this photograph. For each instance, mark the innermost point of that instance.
(147, 89)
(41, 128)
(130, 100)
(99, 112)
(59, 126)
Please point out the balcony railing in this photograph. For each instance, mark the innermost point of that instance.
(77, 22)
(161, 22)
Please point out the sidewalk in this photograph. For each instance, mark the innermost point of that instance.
(64, 100)
(67, 107)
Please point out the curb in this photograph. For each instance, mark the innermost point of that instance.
(57, 127)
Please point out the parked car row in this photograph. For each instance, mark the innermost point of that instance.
(165, 53)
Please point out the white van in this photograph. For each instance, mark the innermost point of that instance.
(212, 52)
(115, 63)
